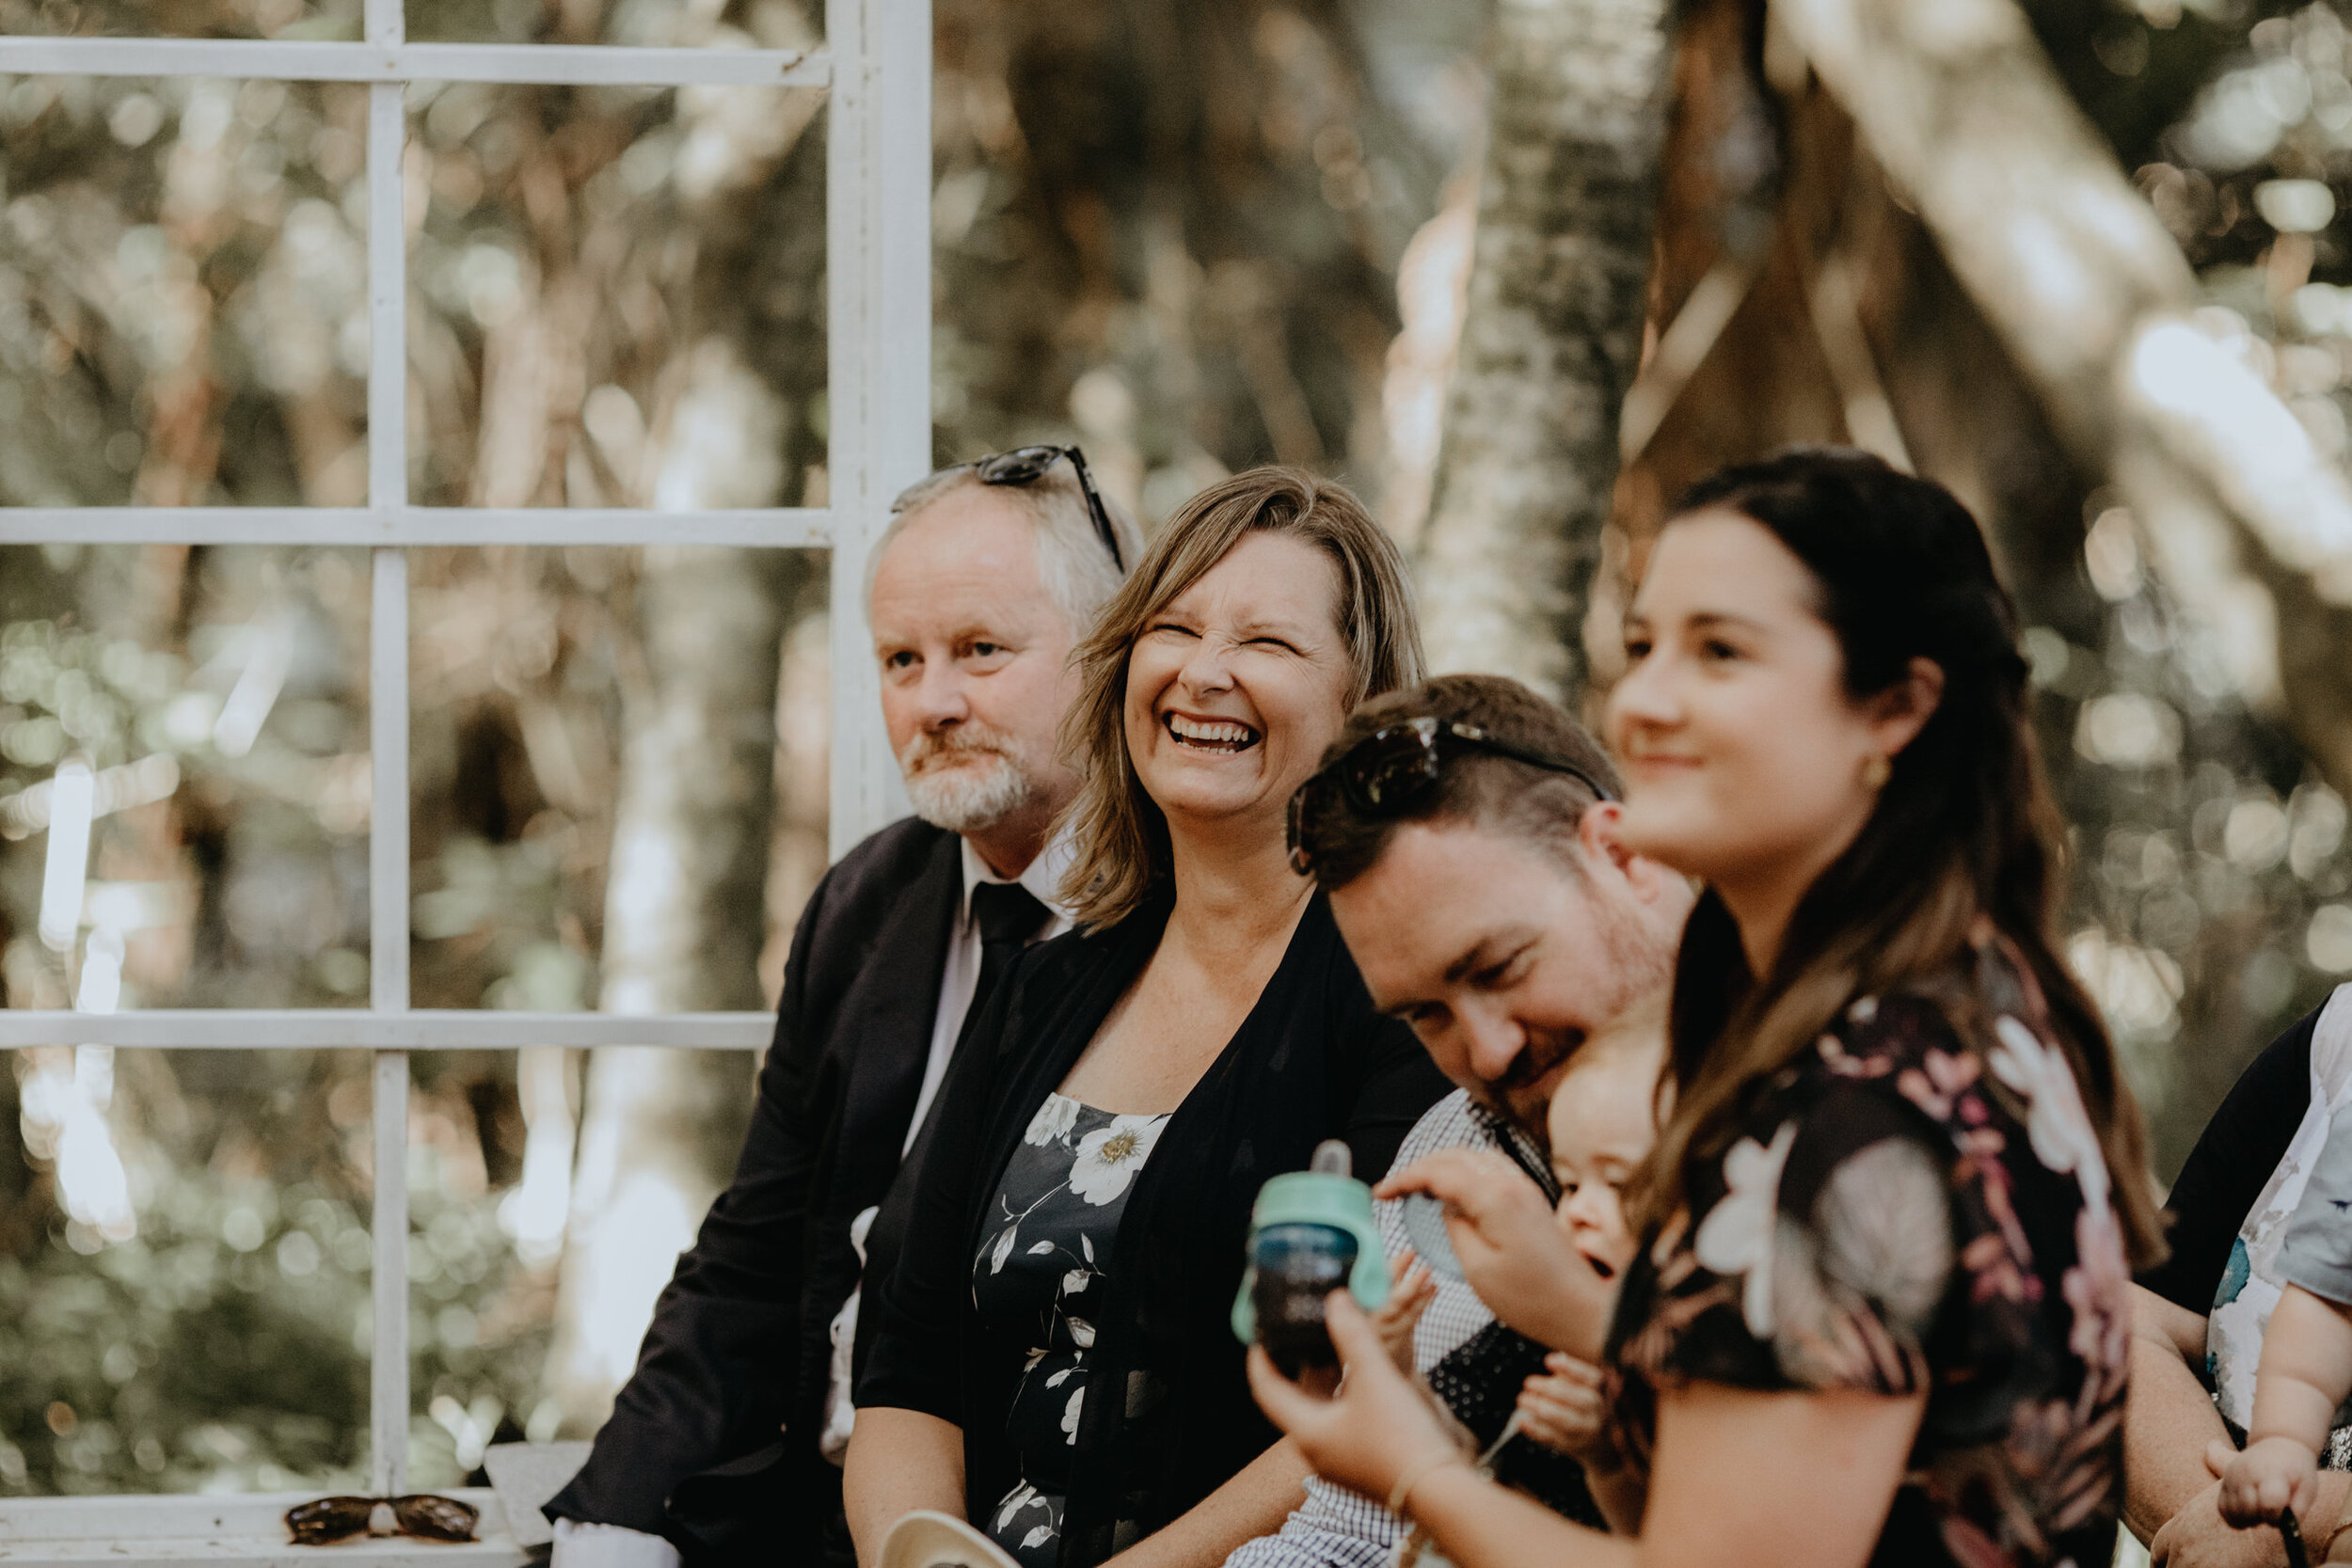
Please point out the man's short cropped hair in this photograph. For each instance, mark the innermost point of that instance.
(1477, 788)
(1078, 572)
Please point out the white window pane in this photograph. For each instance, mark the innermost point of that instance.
(641, 23)
(619, 760)
(201, 715)
(183, 1271)
(213, 19)
(182, 291)
(484, 1249)
(537, 1243)
(617, 296)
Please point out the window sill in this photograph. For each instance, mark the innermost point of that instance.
(248, 1528)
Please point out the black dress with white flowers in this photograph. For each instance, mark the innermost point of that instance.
(1172, 1420)
(1057, 1213)
(1918, 1205)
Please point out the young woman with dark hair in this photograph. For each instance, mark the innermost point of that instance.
(1881, 1315)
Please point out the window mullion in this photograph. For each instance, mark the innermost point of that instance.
(550, 64)
(878, 357)
(388, 723)
(743, 528)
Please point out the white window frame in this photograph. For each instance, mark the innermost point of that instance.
(876, 64)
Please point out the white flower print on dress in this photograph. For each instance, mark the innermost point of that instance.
(1054, 1119)
(2056, 1125)
(1735, 1237)
(1057, 1211)
(1018, 1498)
(1109, 1157)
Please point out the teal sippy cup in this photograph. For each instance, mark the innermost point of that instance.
(1310, 1232)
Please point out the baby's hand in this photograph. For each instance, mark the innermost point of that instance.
(1561, 1408)
(1411, 1289)
(2268, 1479)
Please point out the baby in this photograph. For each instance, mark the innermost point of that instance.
(1603, 1118)
(2306, 1368)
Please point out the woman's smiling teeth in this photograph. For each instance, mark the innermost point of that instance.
(1211, 735)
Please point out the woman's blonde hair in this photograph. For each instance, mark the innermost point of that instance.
(1120, 833)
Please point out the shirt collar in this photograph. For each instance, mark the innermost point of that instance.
(1043, 877)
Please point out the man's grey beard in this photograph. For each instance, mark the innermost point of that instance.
(987, 782)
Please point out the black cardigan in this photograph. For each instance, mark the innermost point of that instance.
(2233, 1162)
(1311, 1061)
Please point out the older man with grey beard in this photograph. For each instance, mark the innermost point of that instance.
(726, 1444)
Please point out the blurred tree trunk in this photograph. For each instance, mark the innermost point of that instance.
(2090, 294)
(1551, 335)
(683, 931)
(2181, 939)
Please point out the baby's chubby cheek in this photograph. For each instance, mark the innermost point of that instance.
(1608, 1249)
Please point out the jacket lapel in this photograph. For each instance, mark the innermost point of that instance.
(884, 1026)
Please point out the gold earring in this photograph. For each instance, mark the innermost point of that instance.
(1876, 770)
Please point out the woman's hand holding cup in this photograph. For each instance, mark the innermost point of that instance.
(1380, 1428)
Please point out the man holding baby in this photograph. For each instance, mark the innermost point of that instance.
(1464, 832)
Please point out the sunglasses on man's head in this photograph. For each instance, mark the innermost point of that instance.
(422, 1514)
(1384, 774)
(1027, 465)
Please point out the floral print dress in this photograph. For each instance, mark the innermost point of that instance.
(1917, 1204)
(1058, 1211)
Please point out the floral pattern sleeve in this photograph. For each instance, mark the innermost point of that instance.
(1915, 1208)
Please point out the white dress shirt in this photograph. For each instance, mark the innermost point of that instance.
(957, 982)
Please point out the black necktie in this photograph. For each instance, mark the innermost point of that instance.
(1006, 915)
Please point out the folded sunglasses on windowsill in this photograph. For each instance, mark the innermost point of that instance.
(420, 1515)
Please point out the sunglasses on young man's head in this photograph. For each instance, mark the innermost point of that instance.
(1383, 775)
(422, 1514)
(1027, 465)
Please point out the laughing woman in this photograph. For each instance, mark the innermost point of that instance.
(1053, 1358)
(1881, 1315)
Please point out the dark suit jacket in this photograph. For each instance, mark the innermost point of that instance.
(713, 1441)
(1314, 1060)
